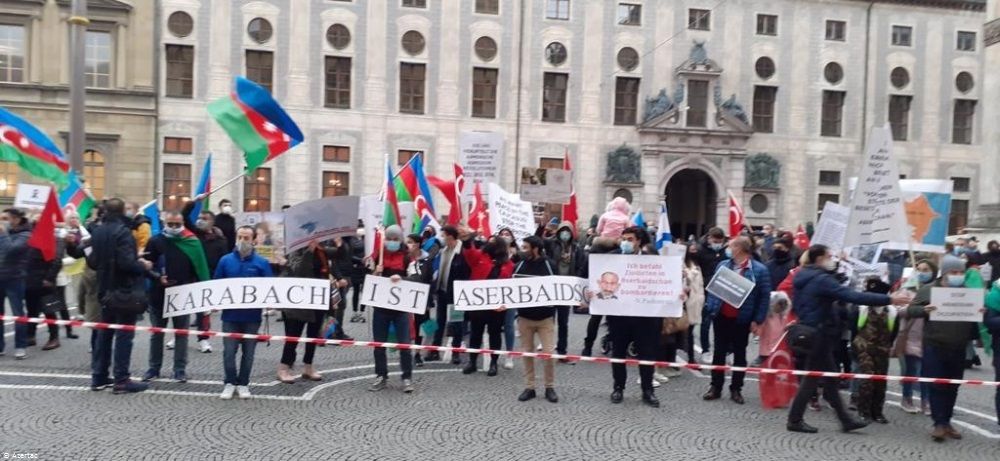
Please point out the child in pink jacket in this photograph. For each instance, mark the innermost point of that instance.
(615, 220)
(774, 325)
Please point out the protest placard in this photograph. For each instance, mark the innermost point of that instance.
(31, 196)
(957, 304)
(832, 227)
(509, 211)
(636, 285)
(729, 286)
(247, 293)
(545, 185)
(371, 210)
(270, 227)
(481, 154)
(401, 296)
(519, 292)
(928, 208)
(320, 219)
(877, 213)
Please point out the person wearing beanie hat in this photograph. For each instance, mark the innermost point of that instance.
(394, 261)
(909, 344)
(944, 347)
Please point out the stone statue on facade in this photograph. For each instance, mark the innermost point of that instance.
(763, 172)
(624, 165)
(730, 106)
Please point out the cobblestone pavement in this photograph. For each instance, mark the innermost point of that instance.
(47, 409)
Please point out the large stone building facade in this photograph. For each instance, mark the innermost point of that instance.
(119, 156)
(683, 100)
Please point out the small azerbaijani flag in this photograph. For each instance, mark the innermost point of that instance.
(256, 123)
(74, 197)
(411, 186)
(391, 214)
(204, 187)
(32, 150)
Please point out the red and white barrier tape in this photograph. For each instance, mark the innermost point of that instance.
(537, 355)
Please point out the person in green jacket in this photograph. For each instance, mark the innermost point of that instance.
(944, 347)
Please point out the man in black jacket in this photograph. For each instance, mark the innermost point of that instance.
(711, 252)
(14, 234)
(569, 259)
(451, 266)
(40, 285)
(226, 222)
(115, 259)
(216, 246)
(534, 321)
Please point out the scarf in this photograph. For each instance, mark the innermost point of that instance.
(189, 244)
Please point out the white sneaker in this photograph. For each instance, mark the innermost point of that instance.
(243, 392)
(170, 345)
(20, 354)
(508, 363)
(227, 392)
(205, 346)
(655, 382)
(672, 372)
(706, 358)
(539, 348)
(660, 378)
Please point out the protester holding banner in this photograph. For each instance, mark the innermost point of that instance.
(816, 289)
(358, 272)
(489, 263)
(340, 252)
(216, 246)
(600, 245)
(711, 252)
(421, 270)
(536, 321)
(732, 320)
(14, 233)
(570, 260)
(944, 347)
(451, 267)
(392, 264)
(310, 262)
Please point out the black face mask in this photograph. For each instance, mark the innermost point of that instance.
(781, 254)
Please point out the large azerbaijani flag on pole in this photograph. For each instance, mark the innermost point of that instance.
(411, 185)
(29, 148)
(256, 123)
(75, 197)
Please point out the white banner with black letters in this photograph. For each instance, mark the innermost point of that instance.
(247, 293)
(515, 293)
(400, 296)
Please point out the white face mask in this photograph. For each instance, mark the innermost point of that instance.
(227, 209)
(244, 248)
(829, 265)
(172, 231)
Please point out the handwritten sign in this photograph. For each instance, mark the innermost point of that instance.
(957, 304)
(729, 286)
(247, 293)
(519, 292)
(480, 153)
(636, 285)
(509, 211)
(400, 296)
(877, 213)
(832, 227)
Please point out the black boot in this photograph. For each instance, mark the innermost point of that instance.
(493, 367)
(616, 395)
(649, 398)
(69, 333)
(802, 427)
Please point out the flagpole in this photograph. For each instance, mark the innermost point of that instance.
(220, 186)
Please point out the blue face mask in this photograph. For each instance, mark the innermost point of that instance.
(955, 281)
(729, 253)
(925, 277)
(716, 246)
(392, 245)
(626, 247)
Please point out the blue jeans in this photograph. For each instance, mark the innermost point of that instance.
(949, 364)
(121, 340)
(911, 366)
(231, 345)
(14, 291)
(509, 335)
(381, 318)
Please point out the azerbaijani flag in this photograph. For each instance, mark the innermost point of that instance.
(29, 148)
(256, 123)
(74, 197)
(190, 245)
(391, 214)
(152, 212)
(204, 187)
(411, 185)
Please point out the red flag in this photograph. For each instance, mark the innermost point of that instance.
(479, 218)
(778, 390)
(569, 209)
(376, 248)
(44, 236)
(459, 180)
(737, 220)
(801, 238)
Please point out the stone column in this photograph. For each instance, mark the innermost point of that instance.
(987, 214)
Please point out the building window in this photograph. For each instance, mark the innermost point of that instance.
(767, 24)
(899, 116)
(554, 97)
(829, 178)
(176, 185)
(699, 19)
(899, 77)
(98, 59)
(902, 36)
(763, 108)
(486, 48)
(836, 30)
(177, 145)
(404, 155)
(959, 218)
(340, 154)
(628, 59)
(484, 92)
(488, 6)
(555, 53)
(821, 200)
(626, 100)
(557, 9)
(964, 82)
(93, 171)
(12, 51)
(180, 71)
(411, 88)
(965, 111)
(260, 30)
(257, 190)
(415, 3)
(629, 14)
(960, 184)
(697, 114)
(8, 179)
(833, 73)
(338, 82)
(833, 111)
(260, 67)
(759, 203)
(413, 42)
(180, 24)
(338, 36)
(764, 67)
(966, 41)
(336, 184)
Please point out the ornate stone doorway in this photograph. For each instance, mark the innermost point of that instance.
(691, 203)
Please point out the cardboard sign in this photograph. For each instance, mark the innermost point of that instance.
(320, 219)
(928, 207)
(636, 285)
(270, 227)
(832, 227)
(31, 197)
(509, 211)
(247, 293)
(957, 304)
(877, 213)
(400, 296)
(546, 185)
(481, 154)
(519, 292)
(731, 287)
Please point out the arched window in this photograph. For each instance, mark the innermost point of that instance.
(8, 179)
(93, 172)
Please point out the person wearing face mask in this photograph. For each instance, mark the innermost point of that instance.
(420, 270)
(180, 258)
(569, 259)
(536, 321)
(226, 222)
(215, 248)
(944, 347)
(141, 229)
(816, 290)
(909, 344)
(451, 266)
(393, 263)
(711, 252)
(781, 261)
(992, 257)
(489, 263)
(600, 245)
(509, 332)
(358, 271)
(14, 234)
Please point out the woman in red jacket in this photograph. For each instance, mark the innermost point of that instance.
(492, 261)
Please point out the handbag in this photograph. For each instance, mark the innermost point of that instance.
(802, 338)
(52, 303)
(673, 325)
(130, 299)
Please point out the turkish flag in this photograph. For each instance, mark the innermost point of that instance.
(569, 210)
(43, 237)
(778, 390)
(737, 220)
(479, 218)
(801, 238)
